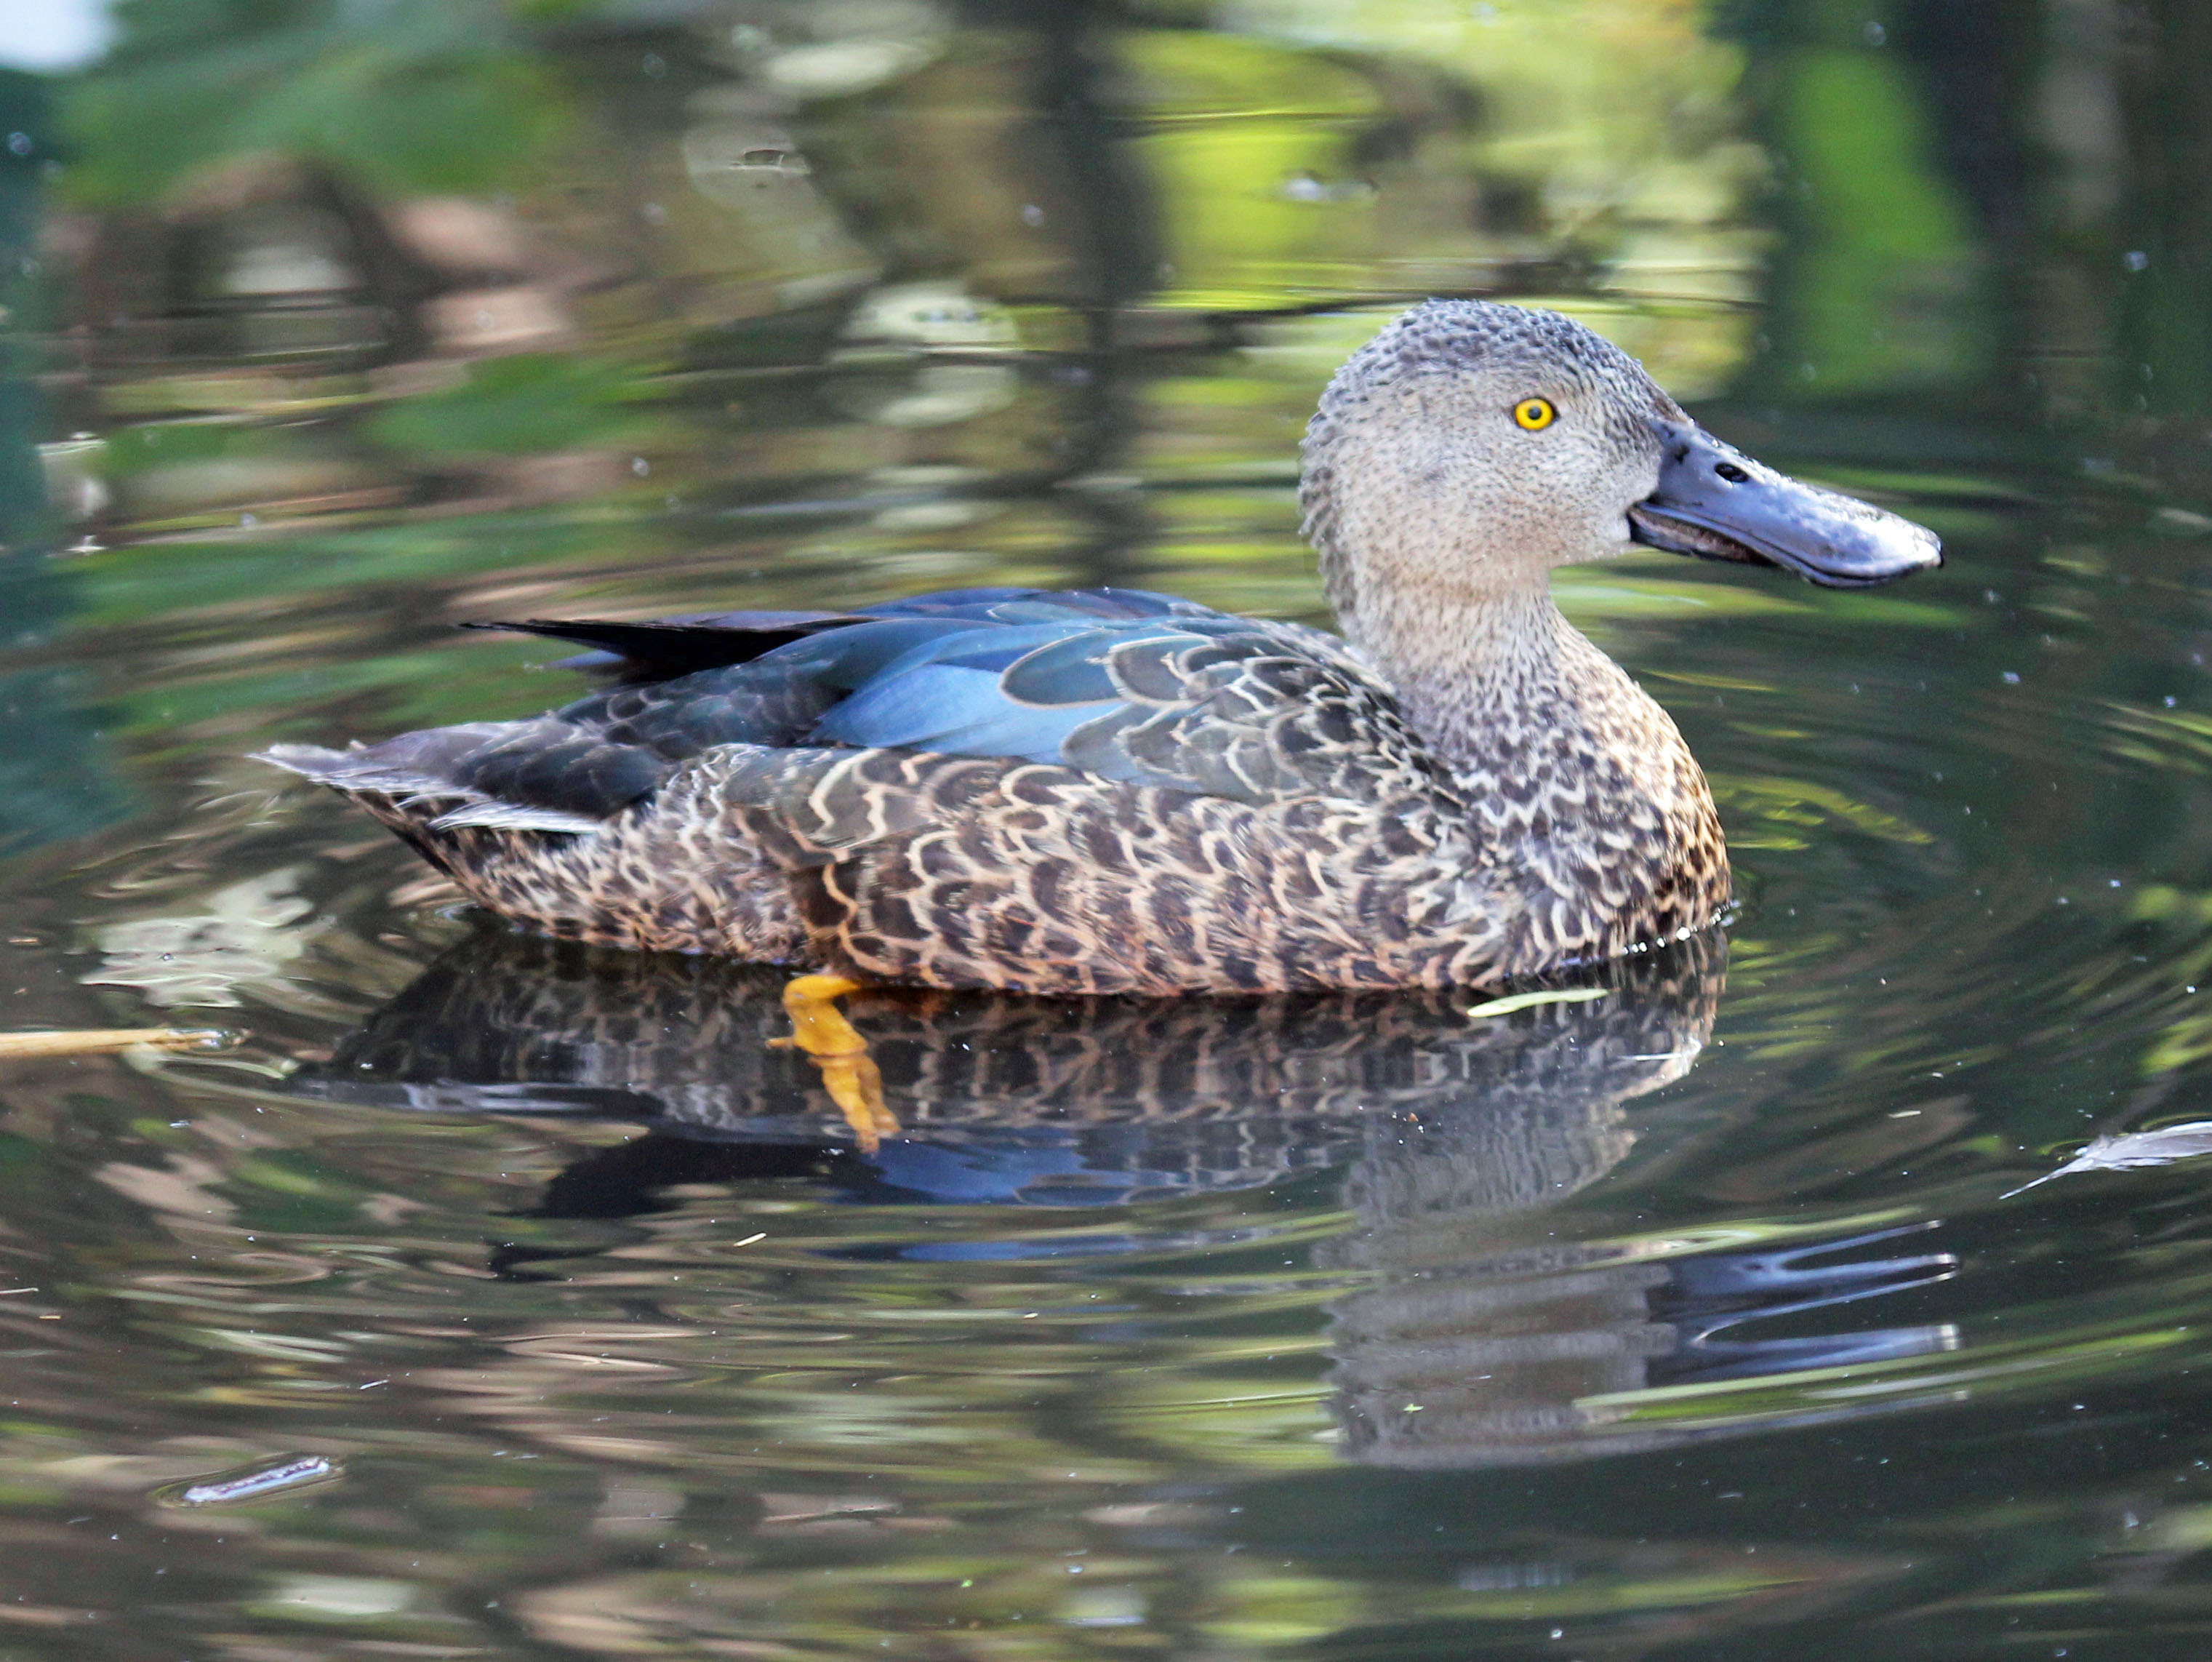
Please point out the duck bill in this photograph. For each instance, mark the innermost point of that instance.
(1716, 502)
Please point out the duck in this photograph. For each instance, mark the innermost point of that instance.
(1111, 791)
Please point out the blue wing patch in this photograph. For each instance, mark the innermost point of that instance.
(953, 695)
(1061, 692)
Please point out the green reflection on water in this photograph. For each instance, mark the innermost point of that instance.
(421, 95)
(376, 319)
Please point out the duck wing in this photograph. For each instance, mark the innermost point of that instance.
(1124, 684)
(1206, 703)
(664, 648)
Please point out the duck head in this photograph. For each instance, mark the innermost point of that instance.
(1470, 446)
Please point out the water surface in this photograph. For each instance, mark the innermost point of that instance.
(490, 1297)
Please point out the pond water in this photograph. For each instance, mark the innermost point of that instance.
(488, 1296)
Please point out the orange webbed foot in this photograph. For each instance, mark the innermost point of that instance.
(848, 1072)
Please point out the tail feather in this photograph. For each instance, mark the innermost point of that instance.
(673, 647)
(448, 778)
(619, 880)
(359, 768)
(489, 815)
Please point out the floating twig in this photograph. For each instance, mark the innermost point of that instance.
(101, 1041)
(1512, 1002)
(254, 1484)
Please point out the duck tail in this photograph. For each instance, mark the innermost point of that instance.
(448, 779)
(534, 820)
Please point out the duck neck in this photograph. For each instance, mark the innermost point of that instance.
(1480, 676)
(1576, 778)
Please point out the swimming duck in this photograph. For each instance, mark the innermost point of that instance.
(1114, 791)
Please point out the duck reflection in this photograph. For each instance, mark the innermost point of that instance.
(1470, 1337)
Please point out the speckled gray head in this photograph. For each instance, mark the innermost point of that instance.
(1469, 448)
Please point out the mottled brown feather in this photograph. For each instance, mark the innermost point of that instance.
(1466, 790)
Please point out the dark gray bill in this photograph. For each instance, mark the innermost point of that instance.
(1715, 502)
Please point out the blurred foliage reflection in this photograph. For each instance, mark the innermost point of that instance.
(494, 1298)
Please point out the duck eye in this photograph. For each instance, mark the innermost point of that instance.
(1534, 414)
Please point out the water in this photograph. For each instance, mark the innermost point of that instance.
(491, 1298)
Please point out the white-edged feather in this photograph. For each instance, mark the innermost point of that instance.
(312, 761)
(351, 771)
(489, 815)
(347, 770)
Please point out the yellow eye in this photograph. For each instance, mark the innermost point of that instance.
(1534, 414)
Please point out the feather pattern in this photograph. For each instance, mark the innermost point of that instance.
(1108, 790)
(1246, 809)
